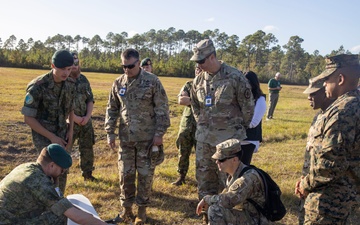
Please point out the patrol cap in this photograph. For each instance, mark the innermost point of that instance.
(202, 50)
(227, 149)
(315, 84)
(59, 155)
(336, 62)
(145, 62)
(62, 59)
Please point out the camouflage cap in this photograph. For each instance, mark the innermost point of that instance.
(59, 155)
(336, 62)
(202, 50)
(315, 84)
(62, 59)
(227, 149)
(145, 62)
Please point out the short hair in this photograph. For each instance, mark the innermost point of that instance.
(277, 74)
(44, 157)
(130, 53)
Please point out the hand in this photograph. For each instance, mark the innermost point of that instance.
(111, 141)
(184, 100)
(300, 191)
(58, 140)
(201, 206)
(157, 140)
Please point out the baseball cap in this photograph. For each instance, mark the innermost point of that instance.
(336, 62)
(62, 59)
(227, 149)
(202, 50)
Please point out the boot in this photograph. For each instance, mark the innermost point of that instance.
(180, 180)
(88, 176)
(127, 215)
(141, 216)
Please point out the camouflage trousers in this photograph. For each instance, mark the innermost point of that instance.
(219, 215)
(47, 218)
(322, 210)
(134, 163)
(185, 142)
(86, 139)
(210, 180)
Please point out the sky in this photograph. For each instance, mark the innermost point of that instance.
(324, 25)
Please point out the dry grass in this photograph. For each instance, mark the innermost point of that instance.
(281, 153)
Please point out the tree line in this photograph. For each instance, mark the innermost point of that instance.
(170, 51)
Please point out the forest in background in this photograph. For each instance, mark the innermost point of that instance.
(170, 51)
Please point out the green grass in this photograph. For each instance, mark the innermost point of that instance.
(281, 153)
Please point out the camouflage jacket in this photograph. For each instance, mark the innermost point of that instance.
(142, 106)
(26, 192)
(49, 103)
(238, 190)
(335, 152)
(232, 105)
(83, 95)
(187, 119)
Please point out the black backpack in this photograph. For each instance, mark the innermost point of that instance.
(274, 209)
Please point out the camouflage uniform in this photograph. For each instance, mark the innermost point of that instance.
(28, 184)
(334, 160)
(231, 206)
(144, 113)
(84, 134)
(186, 137)
(50, 103)
(228, 116)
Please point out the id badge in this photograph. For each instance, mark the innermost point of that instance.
(122, 91)
(208, 101)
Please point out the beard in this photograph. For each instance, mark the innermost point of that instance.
(76, 73)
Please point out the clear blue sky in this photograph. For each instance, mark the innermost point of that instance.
(324, 25)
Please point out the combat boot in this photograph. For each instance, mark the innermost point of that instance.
(127, 215)
(88, 176)
(141, 216)
(180, 180)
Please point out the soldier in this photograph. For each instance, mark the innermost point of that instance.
(186, 137)
(146, 65)
(33, 184)
(231, 205)
(83, 128)
(139, 99)
(318, 100)
(48, 103)
(223, 107)
(330, 185)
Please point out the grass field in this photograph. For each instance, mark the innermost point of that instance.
(281, 153)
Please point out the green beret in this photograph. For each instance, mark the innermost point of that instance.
(59, 156)
(145, 62)
(62, 59)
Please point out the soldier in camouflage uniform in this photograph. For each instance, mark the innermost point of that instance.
(318, 100)
(223, 107)
(140, 101)
(83, 128)
(48, 103)
(334, 173)
(28, 195)
(231, 205)
(186, 137)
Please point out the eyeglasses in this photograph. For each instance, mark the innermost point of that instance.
(76, 62)
(200, 62)
(131, 66)
(223, 160)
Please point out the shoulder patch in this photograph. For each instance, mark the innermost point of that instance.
(247, 93)
(29, 99)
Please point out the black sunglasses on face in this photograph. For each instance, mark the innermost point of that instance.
(223, 160)
(131, 66)
(203, 60)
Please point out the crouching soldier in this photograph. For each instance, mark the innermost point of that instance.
(231, 206)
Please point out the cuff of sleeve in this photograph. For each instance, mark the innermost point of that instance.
(61, 206)
(304, 184)
(211, 199)
(26, 111)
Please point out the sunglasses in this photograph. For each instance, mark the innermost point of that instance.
(223, 160)
(76, 62)
(131, 66)
(203, 60)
